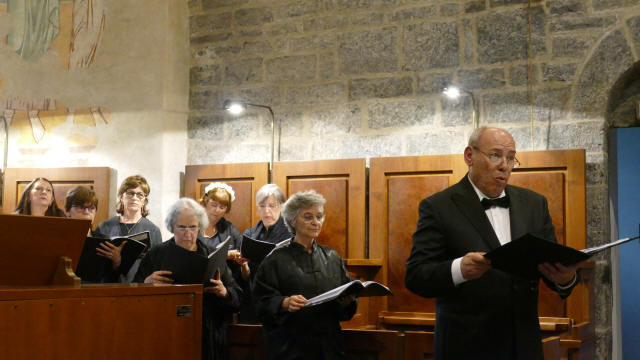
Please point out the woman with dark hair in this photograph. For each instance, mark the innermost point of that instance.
(39, 199)
(298, 271)
(185, 220)
(270, 228)
(81, 203)
(133, 197)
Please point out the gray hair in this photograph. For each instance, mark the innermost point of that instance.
(182, 205)
(475, 136)
(270, 190)
(297, 201)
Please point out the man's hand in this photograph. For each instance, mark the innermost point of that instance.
(474, 265)
(558, 273)
(293, 303)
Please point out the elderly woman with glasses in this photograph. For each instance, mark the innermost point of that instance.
(39, 199)
(185, 220)
(270, 228)
(293, 273)
(133, 197)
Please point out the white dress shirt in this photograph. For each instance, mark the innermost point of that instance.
(500, 222)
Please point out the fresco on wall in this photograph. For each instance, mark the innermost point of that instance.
(71, 30)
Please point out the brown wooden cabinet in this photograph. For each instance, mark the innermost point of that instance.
(109, 321)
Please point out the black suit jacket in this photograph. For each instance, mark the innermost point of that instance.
(494, 316)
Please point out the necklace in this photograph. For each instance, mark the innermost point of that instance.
(130, 229)
(212, 234)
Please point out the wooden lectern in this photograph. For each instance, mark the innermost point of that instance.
(46, 313)
(40, 250)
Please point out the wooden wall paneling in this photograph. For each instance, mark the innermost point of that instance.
(418, 345)
(373, 344)
(342, 183)
(246, 342)
(559, 175)
(396, 186)
(100, 179)
(245, 179)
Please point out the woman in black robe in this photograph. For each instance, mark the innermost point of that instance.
(221, 298)
(296, 272)
(217, 201)
(271, 229)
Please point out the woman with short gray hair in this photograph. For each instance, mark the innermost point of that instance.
(180, 207)
(270, 228)
(186, 219)
(298, 271)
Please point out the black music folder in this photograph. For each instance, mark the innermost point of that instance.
(522, 256)
(355, 287)
(189, 267)
(92, 267)
(257, 250)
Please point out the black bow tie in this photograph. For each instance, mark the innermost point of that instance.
(501, 202)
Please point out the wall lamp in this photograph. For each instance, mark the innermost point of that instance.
(453, 92)
(237, 107)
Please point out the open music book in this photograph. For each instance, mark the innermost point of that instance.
(257, 250)
(522, 256)
(91, 266)
(355, 287)
(189, 267)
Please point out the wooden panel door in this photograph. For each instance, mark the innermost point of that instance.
(245, 179)
(342, 183)
(559, 175)
(397, 185)
(100, 179)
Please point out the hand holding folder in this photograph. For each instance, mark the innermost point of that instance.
(257, 250)
(522, 256)
(189, 267)
(91, 264)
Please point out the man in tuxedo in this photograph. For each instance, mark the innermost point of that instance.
(483, 313)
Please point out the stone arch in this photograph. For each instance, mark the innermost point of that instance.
(606, 62)
(624, 97)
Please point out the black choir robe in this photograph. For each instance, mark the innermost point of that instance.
(310, 333)
(275, 234)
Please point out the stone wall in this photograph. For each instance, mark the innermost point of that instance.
(127, 109)
(362, 78)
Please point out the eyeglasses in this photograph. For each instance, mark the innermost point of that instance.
(91, 208)
(496, 158)
(183, 228)
(269, 206)
(132, 194)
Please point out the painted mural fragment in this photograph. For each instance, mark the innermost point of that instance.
(73, 31)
